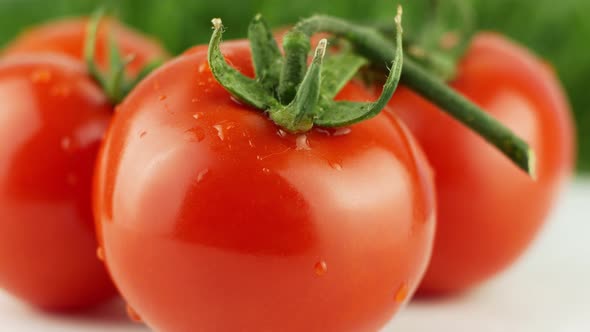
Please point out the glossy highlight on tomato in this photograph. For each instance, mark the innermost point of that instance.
(488, 210)
(212, 218)
(67, 36)
(53, 119)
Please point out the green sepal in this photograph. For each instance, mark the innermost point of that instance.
(266, 55)
(343, 113)
(247, 90)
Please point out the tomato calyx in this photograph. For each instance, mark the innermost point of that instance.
(295, 96)
(113, 81)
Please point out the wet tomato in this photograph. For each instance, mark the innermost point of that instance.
(68, 37)
(53, 118)
(489, 211)
(213, 219)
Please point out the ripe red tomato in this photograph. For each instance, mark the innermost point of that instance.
(68, 37)
(212, 219)
(53, 118)
(489, 211)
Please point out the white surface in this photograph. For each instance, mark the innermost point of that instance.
(548, 291)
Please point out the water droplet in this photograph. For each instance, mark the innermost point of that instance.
(236, 100)
(41, 76)
(250, 143)
(66, 143)
(195, 100)
(402, 293)
(220, 132)
(203, 67)
(266, 170)
(301, 143)
(320, 268)
(258, 157)
(163, 97)
(323, 131)
(197, 115)
(200, 83)
(202, 174)
(133, 315)
(100, 253)
(71, 179)
(142, 134)
(281, 133)
(195, 133)
(341, 131)
(336, 166)
(60, 90)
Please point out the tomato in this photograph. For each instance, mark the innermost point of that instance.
(213, 219)
(68, 37)
(53, 118)
(489, 211)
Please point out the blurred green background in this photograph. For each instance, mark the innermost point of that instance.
(559, 31)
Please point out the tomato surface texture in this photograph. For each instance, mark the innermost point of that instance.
(53, 118)
(488, 210)
(213, 219)
(68, 37)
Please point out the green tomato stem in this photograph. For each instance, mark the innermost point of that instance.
(376, 47)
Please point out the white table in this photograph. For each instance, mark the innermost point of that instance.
(548, 291)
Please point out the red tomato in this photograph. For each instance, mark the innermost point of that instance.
(489, 211)
(214, 220)
(53, 118)
(68, 37)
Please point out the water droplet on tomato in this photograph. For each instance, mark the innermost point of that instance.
(301, 143)
(336, 166)
(236, 101)
(266, 170)
(195, 100)
(250, 143)
(220, 132)
(41, 76)
(203, 67)
(142, 134)
(320, 268)
(163, 97)
(323, 131)
(100, 254)
(341, 131)
(281, 133)
(66, 143)
(133, 315)
(402, 293)
(202, 174)
(196, 133)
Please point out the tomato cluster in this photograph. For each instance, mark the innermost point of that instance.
(202, 208)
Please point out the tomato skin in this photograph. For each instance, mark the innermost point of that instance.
(68, 37)
(53, 118)
(211, 220)
(489, 211)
